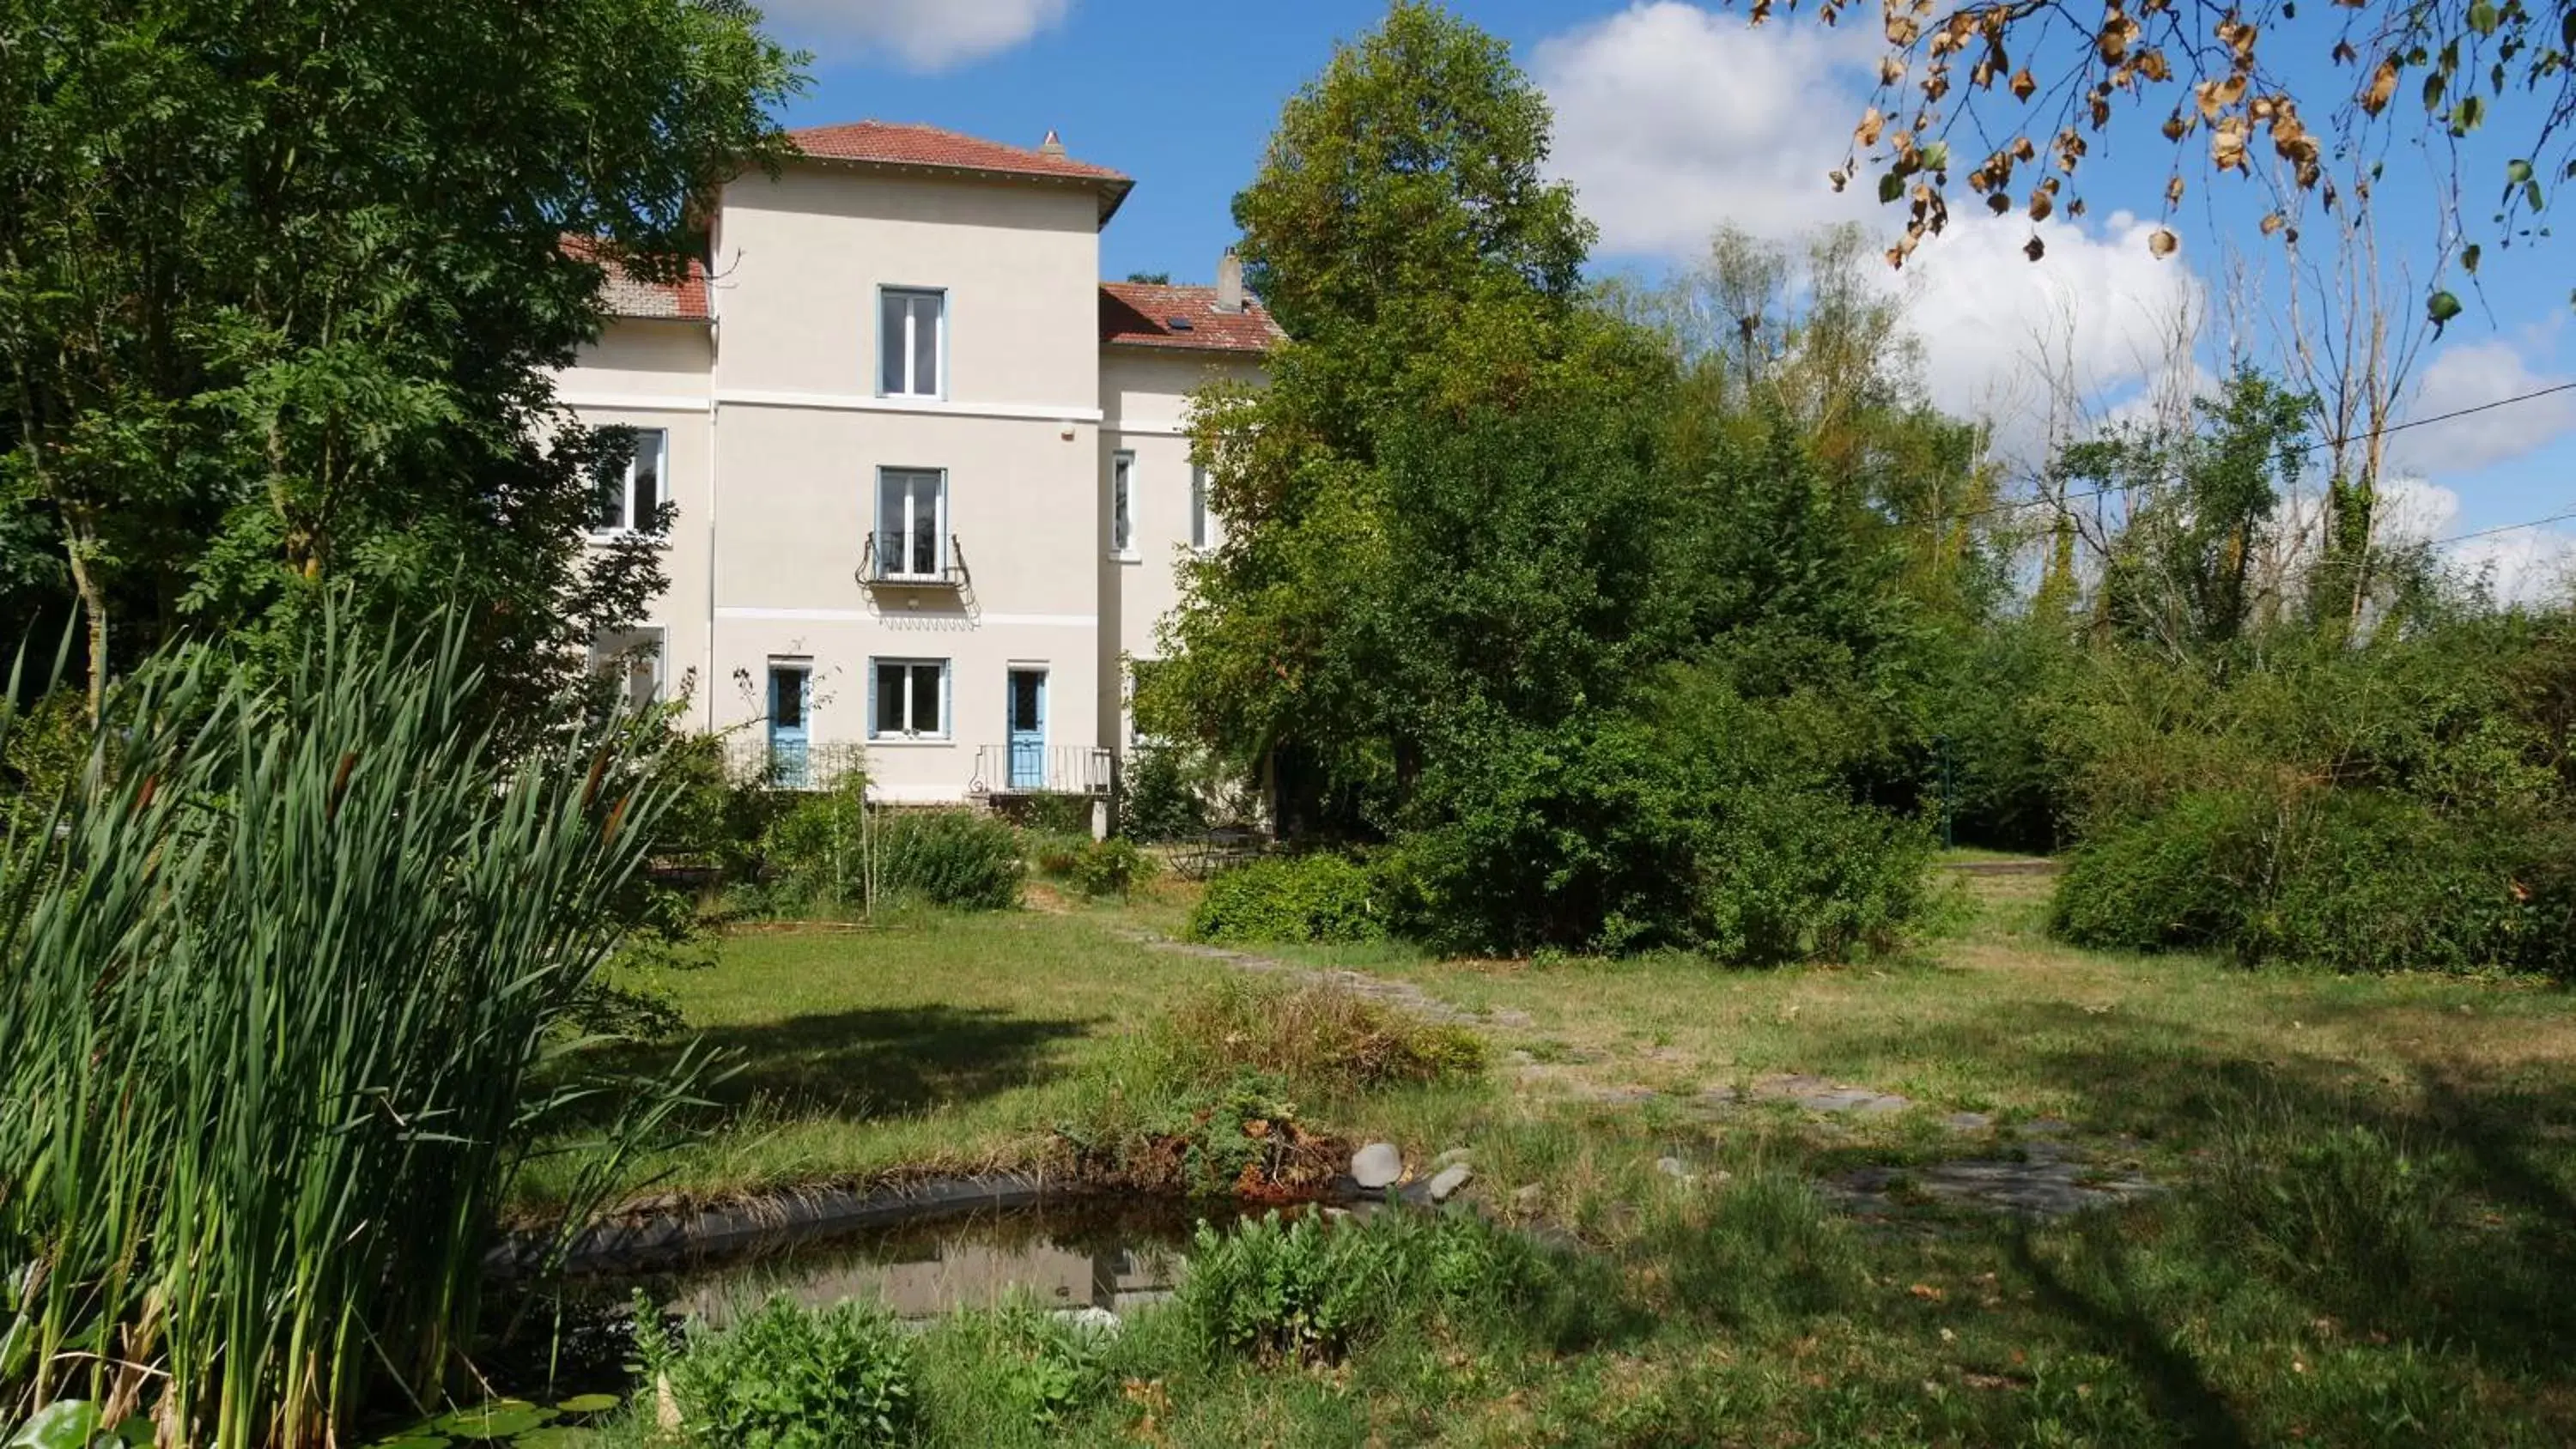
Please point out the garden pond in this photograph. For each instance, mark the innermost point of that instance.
(560, 1362)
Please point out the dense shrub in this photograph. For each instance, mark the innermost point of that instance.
(2353, 879)
(832, 847)
(789, 1377)
(1318, 897)
(809, 852)
(1629, 833)
(2168, 880)
(1166, 794)
(1111, 868)
(1800, 876)
(958, 858)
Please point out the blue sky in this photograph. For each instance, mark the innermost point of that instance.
(1673, 118)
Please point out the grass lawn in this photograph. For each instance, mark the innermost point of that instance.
(2364, 1218)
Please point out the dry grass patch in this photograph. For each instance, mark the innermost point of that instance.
(1315, 1037)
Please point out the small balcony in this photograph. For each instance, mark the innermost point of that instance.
(1003, 771)
(890, 564)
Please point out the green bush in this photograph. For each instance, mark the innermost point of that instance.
(1705, 826)
(1111, 868)
(810, 851)
(2351, 879)
(823, 850)
(959, 858)
(1804, 876)
(2171, 880)
(788, 1377)
(1166, 794)
(1310, 1289)
(1300, 898)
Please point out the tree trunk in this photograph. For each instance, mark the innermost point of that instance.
(80, 540)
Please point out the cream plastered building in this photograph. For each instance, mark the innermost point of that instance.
(921, 476)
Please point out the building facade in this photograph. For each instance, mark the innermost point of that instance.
(921, 476)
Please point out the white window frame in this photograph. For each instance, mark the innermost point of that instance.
(660, 452)
(938, 384)
(621, 653)
(938, 526)
(1122, 504)
(1202, 522)
(876, 702)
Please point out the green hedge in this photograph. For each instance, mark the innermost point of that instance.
(2355, 880)
(1298, 898)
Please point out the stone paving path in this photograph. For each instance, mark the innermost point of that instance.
(1401, 994)
(2046, 1175)
(2043, 1180)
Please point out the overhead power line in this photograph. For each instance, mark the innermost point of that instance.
(2288, 453)
(2505, 528)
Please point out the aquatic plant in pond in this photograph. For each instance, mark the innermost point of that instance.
(287, 955)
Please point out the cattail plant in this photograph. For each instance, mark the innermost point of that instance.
(286, 962)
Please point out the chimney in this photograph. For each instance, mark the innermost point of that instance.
(1229, 282)
(1053, 145)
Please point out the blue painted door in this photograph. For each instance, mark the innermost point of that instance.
(791, 698)
(1028, 729)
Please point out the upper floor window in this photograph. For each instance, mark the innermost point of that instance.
(912, 342)
(1122, 504)
(631, 494)
(1200, 536)
(912, 523)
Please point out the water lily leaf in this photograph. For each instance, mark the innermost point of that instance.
(590, 1403)
(62, 1424)
(505, 1420)
(557, 1436)
(414, 1441)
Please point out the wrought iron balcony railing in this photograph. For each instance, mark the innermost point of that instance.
(890, 564)
(1042, 770)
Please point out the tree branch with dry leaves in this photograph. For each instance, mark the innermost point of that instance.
(2014, 96)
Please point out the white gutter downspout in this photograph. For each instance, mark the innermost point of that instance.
(715, 411)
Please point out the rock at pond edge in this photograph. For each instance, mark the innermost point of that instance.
(1377, 1165)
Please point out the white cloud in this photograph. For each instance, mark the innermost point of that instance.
(2473, 374)
(923, 35)
(1673, 120)
(2522, 565)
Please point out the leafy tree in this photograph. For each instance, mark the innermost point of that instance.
(2198, 562)
(1481, 597)
(282, 287)
(1374, 574)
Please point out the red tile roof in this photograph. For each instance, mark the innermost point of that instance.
(624, 294)
(888, 143)
(1140, 314)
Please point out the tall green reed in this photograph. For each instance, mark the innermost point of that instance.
(285, 964)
